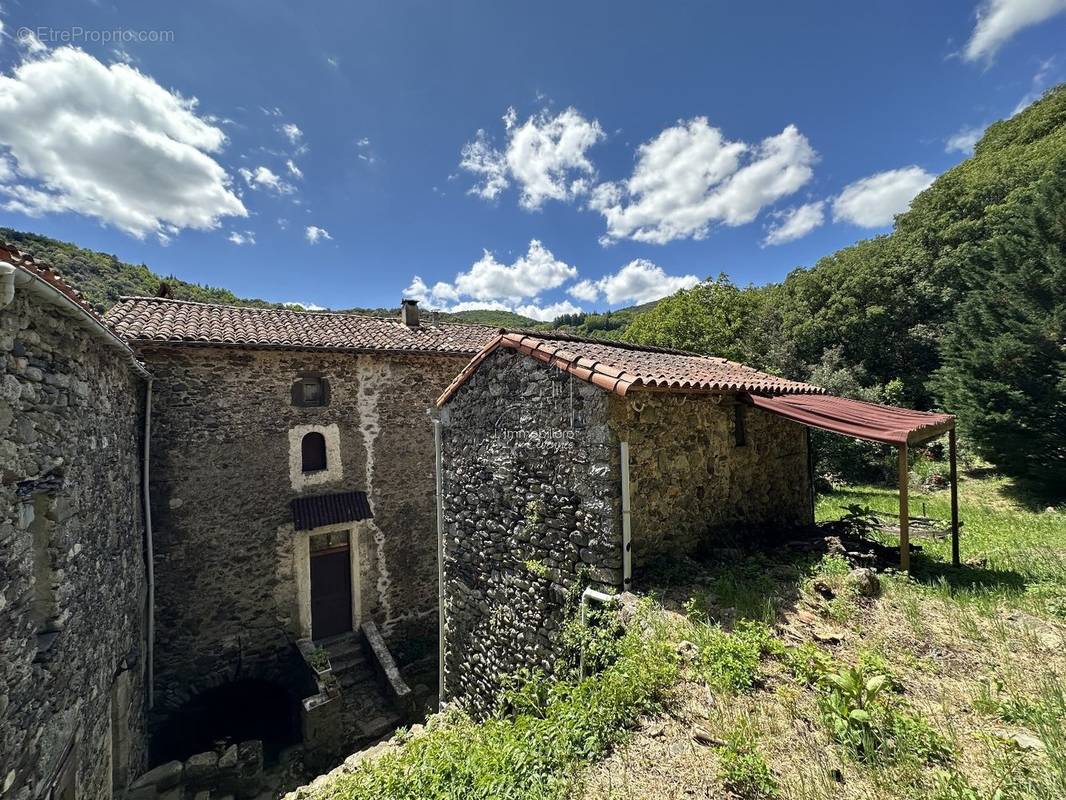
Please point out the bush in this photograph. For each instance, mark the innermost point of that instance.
(743, 770)
(729, 662)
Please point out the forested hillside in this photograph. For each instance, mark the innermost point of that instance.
(962, 306)
(103, 278)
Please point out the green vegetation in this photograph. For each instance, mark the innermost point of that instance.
(1004, 364)
(531, 750)
(103, 278)
(971, 279)
(742, 768)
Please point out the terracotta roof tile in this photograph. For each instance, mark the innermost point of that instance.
(618, 367)
(152, 319)
(69, 298)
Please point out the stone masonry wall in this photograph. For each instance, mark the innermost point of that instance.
(531, 510)
(221, 458)
(72, 583)
(688, 477)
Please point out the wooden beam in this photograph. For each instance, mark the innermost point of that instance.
(904, 512)
(955, 560)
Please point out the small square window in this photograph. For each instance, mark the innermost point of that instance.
(312, 392)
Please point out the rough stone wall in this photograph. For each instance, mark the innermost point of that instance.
(531, 508)
(226, 593)
(689, 478)
(70, 426)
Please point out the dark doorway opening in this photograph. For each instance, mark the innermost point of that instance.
(331, 584)
(231, 713)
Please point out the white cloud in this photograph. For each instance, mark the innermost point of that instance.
(547, 313)
(509, 287)
(294, 170)
(999, 20)
(691, 176)
(584, 290)
(795, 223)
(304, 306)
(544, 156)
(639, 281)
(964, 140)
(110, 143)
(291, 132)
(264, 178)
(238, 238)
(315, 234)
(873, 202)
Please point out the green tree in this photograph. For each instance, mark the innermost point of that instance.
(1004, 370)
(715, 318)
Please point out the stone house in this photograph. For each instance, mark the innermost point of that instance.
(72, 576)
(571, 463)
(292, 498)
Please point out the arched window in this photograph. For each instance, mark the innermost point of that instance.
(313, 452)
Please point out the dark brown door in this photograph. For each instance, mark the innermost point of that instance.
(331, 592)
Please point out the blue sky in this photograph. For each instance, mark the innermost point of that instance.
(329, 153)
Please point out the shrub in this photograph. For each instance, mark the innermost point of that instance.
(871, 725)
(729, 662)
(743, 770)
(808, 663)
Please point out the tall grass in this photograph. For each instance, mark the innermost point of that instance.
(530, 754)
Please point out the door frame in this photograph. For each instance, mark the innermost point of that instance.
(302, 558)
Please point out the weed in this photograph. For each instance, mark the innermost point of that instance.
(808, 663)
(729, 662)
(537, 568)
(743, 770)
(531, 751)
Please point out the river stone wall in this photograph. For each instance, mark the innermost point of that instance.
(532, 511)
(226, 565)
(532, 502)
(72, 580)
(690, 480)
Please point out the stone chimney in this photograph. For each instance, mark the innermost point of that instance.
(409, 313)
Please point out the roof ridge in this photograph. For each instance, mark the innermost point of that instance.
(289, 309)
(572, 337)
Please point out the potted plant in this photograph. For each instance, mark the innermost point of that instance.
(319, 661)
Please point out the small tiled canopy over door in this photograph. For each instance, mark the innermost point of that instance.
(331, 585)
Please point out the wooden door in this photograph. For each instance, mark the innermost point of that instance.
(331, 592)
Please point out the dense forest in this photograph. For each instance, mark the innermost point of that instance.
(961, 307)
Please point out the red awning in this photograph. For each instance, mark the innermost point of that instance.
(855, 418)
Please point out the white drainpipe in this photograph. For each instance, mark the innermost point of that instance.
(148, 547)
(440, 561)
(627, 525)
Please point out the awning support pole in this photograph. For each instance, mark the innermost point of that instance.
(904, 512)
(955, 560)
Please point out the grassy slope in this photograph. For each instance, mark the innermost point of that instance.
(979, 654)
(973, 656)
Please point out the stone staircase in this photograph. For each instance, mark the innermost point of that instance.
(369, 713)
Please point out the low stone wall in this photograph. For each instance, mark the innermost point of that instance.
(72, 582)
(690, 479)
(235, 771)
(531, 510)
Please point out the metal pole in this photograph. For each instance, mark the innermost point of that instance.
(955, 560)
(904, 512)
